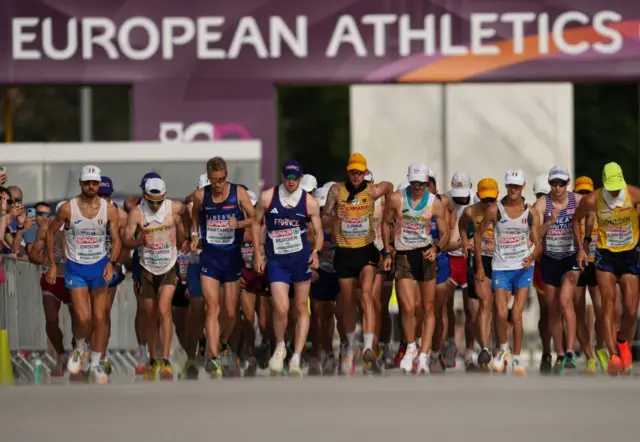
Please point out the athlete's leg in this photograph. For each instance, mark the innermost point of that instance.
(165, 296)
(565, 296)
(376, 292)
(211, 294)
(248, 303)
(520, 298)
(100, 312)
(301, 312)
(629, 287)
(230, 300)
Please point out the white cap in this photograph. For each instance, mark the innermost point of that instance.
(541, 185)
(461, 186)
(559, 173)
(321, 195)
(253, 197)
(203, 181)
(155, 186)
(368, 176)
(328, 184)
(514, 176)
(403, 185)
(90, 173)
(418, 172)
(309, 183)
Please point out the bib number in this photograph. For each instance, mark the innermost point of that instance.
(513, 247)
(90, 248)
(287, 241)
(619, 236)
(414, 235)
(183, 263)
(219, 232)
(355, 227)
(157, 255)
(559, 240)
(247, 254)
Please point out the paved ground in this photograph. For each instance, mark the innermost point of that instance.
(454, 406)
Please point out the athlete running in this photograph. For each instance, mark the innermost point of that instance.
(488, 194)
(559, 267)
(410, 212)
(514, 223)
(350, 205)
(221, 211)
(156, 227)
(286, 210)
(615, 206)
(88, 268)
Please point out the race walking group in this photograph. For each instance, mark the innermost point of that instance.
(307, 261)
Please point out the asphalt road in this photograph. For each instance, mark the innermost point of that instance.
(454, 406)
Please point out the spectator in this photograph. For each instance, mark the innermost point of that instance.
(6, 204)
(19, 223)
(43, 212)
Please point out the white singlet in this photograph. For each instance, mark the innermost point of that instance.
(413, 231)
(511, 240)
(85, 240)
(459, 209)
(160, 256)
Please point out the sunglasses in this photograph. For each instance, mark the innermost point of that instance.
(488, 200)
(154, 202)
(44, 214)
(17, 200)
(218, 180)
(418, 184)
(291, 178)
(558, 183)
(355, 173)
(8, 200)
(584, 192)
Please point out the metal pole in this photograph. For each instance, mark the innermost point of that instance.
(86, 114)
(444, 137)
(8, 117)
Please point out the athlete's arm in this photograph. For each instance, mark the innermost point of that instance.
(392, 202)
(453, 241)
(256, 227)
(330, 207)
(62, 215)
(535, 235)
(316, 222)
(381, 189)
(35, 253)
(439, 212)
(463, 223)
(634, 194)
(540, 206)
(113, 218)
(195, 212)
(131, 203)
(586, 208)
(245, 205)
(133, 222)
(489, 216)
(180, 228)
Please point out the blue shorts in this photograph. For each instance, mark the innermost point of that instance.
(289, 272)
(193, 280)
(553, 270)
(618, 263)
(222, 265)
(118, 277)
(136, 268)
(443, 268)
(326, 288)
(512, 280)
(85, 275)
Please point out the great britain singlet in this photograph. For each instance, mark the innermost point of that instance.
(357, 228)
(558, 243)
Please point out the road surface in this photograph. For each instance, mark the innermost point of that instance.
(453, 407)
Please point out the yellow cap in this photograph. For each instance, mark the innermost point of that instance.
(357, 162)
(584, 183)
(612, 177)
(488, 188)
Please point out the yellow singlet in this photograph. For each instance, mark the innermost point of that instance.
(357, 229)
(617, 227)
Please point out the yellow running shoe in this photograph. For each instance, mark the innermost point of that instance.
(591, 366)
(151, 371)
(603, 358)
(166, 370)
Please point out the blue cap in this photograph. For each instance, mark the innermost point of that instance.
(106, 185)
(292, 169)
(147, 177)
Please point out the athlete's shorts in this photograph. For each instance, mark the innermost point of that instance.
(118, 277)
(223, 266)
(471, 277)
(193, 280)
(618, 263)
(458, 266)
(136, 268)
(588, 276)
(444, 269)
(252, 282)
(288, 272)
(350, 262)
(150, 283)
(57, 290)
(180, 296)
(512, 280)
(326, 288)
(412, 265)
(553, 270)
(85, 275)
(537, 279)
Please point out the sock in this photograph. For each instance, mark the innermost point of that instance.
(412, 346)
(505, 346)
(423, 356)
(516, 359)
(281, 345)
(144, 356)
(81, 344)
(95, 359)
(351, 338)
(296, 357)
(368, 341)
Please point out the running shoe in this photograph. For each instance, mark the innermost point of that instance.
(108, 369)
(546, 364)
(484, 359)
(470, 365)
(166, 370)
(406, 364)
(558, 367)
(450, 354)
(252, 367)
(437, 364)
(603, 359)
(500, 361)
(76, 361)
(347, 364)
(329, 366)
(570, 360)
(517, 367)
(295, 370)
(591, 366)
(399, 354)
(226, 359)
(213, 367)
(615, 365)
(58, 370)
(98, 375)
(276, 363)
(314, 367)
(387, 357)
(140, 369)
(151, 370)
(625, 356)
(371, 364)
(423, 364)
(190, 370)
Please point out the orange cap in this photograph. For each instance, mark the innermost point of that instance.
(584, 183)
(488, 188)
(357, 162)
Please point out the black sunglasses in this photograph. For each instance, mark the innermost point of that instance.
(558, 183)
(418, 183)
(44, 214)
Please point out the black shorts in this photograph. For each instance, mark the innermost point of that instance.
(326, 288)
(179, 296)
(553, 270)
(618, 263)
(588, 276)
(487, 265)
(350, 262)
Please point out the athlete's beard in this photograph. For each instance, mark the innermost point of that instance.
(89, 194)
(416, 194)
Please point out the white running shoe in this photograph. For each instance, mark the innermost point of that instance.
(406, 364)
(276, 363)
(294, 366)
(78, 361)
(423, 364)
(98, 375)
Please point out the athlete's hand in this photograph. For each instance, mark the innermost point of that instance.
(147, 239)
(553, 216)
(186, 246)
(467, 247)
(342, 212)
(194, 244)
(108, 272)
(258, 263)
(429, 254)
(581, 257)
(480, 276)
(52, 273)
(314, 263)
(233, 222)
(386, 263)
(526, 263)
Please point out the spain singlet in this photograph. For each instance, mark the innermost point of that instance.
(357, 229)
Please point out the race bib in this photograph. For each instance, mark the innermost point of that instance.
(90, 248)
(157, 255)
(247, 254)
(287, 241)
(414, 234)
(513, 247)
(183, 263)
(619, 236)
(488, 242)
(559, 240)
(219, 232)
(357, 227)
